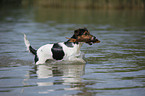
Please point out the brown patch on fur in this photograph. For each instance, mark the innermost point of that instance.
(85, 37)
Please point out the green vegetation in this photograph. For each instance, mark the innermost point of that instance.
(83, 4)
(91, 4)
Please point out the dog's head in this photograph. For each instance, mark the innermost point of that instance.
(83, 35)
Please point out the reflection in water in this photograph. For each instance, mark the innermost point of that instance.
(71, 75)
(114, 67)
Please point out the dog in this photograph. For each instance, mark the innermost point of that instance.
(69, 50)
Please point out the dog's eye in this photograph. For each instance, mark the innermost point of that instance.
(85, 33)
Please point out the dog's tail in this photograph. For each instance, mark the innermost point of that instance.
(29, 48)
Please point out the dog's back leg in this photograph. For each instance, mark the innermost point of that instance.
(36, 58)
(40, 60)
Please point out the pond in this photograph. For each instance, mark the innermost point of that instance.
(115, 66)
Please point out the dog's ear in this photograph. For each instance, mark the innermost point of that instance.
(76, 32)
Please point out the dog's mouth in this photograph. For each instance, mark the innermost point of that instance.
(92, 40)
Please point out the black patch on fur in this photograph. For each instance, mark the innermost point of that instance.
(36, 58)
(32, 50)
(68, 44)
(76, 42)
(57, 52)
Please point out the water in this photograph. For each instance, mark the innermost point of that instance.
(115, 67)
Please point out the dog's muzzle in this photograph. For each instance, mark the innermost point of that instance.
(93, 40)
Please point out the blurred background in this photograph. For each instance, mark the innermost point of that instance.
(115, 67)
(85, 4)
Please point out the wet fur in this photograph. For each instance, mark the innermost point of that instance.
(69, 51)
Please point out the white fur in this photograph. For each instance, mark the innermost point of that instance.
(71, 53)
(27, 43)
(44, 52)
